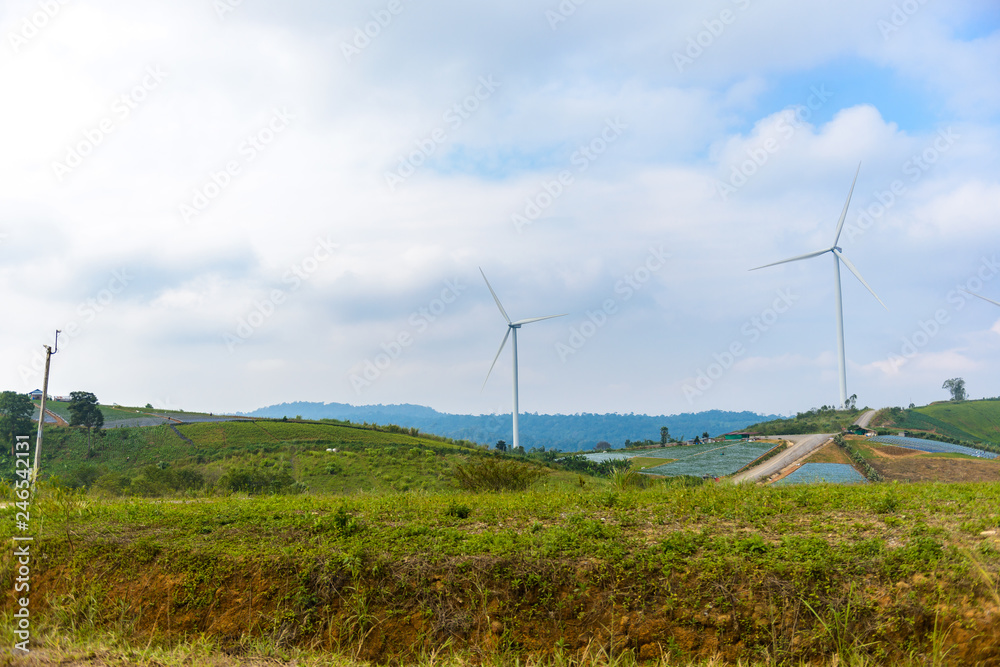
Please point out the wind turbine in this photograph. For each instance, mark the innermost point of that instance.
(995, 303)
(512, 328)
(838, 257)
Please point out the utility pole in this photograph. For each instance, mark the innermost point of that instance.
(41, 410)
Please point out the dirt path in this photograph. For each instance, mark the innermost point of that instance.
(59, 420)
(802, 446)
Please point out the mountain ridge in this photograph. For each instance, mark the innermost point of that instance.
(575, 432)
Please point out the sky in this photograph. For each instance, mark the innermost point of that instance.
(227, 204)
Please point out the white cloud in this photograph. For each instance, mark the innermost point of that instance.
(324, 177)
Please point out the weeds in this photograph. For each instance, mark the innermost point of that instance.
(497, 474)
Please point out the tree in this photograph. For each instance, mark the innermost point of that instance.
(664, 435)
(84, 411)
(957, 388)
(852, 402)
(501, 446)
(15, 416)
(705, 436)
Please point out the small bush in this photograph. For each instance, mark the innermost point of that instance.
(457, 510)
(625, 479)
(114, 484)
(496, 474)
(256, 481)
(344, 523)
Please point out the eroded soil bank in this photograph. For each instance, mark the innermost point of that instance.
(744, 574)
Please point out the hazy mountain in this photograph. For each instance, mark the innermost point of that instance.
(562, 432)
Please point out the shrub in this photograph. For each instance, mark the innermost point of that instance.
(255, 481)
(496, 474)
(458, 510)
(83, 476)
(623, 479)
(114, 483)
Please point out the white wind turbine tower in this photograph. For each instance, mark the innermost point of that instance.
(838, 257)
(512, 328)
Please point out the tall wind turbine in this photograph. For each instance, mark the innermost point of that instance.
(512, 328)
(838, 257)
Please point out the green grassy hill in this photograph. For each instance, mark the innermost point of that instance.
(972, 421)
(817, 420)
(296, 456)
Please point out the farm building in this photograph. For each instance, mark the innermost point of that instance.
(738, 435)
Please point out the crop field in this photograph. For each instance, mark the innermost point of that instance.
(830, 473)
(61, 409)
(365, 460)
(931, 446)
(223, 434)
(712, 459)
(978, 419)
(661, 453)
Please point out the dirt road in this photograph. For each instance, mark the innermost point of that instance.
(802, 446)
(864, 419)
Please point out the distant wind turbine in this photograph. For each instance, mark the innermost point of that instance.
(838, 257)
(512, 327)
(995, 303)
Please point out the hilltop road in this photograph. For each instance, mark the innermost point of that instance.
(864, 419)
(802, 446)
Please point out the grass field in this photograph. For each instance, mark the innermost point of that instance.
(890, 574)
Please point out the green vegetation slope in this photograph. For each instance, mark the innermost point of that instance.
(971, 421)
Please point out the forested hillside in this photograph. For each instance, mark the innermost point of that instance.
(562, 432)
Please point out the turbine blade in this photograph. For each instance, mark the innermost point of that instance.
(843, 214)
(537, 319)
(502, 343)
(499, 305)
(857, 275)
(793, 259)
(995, 303)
